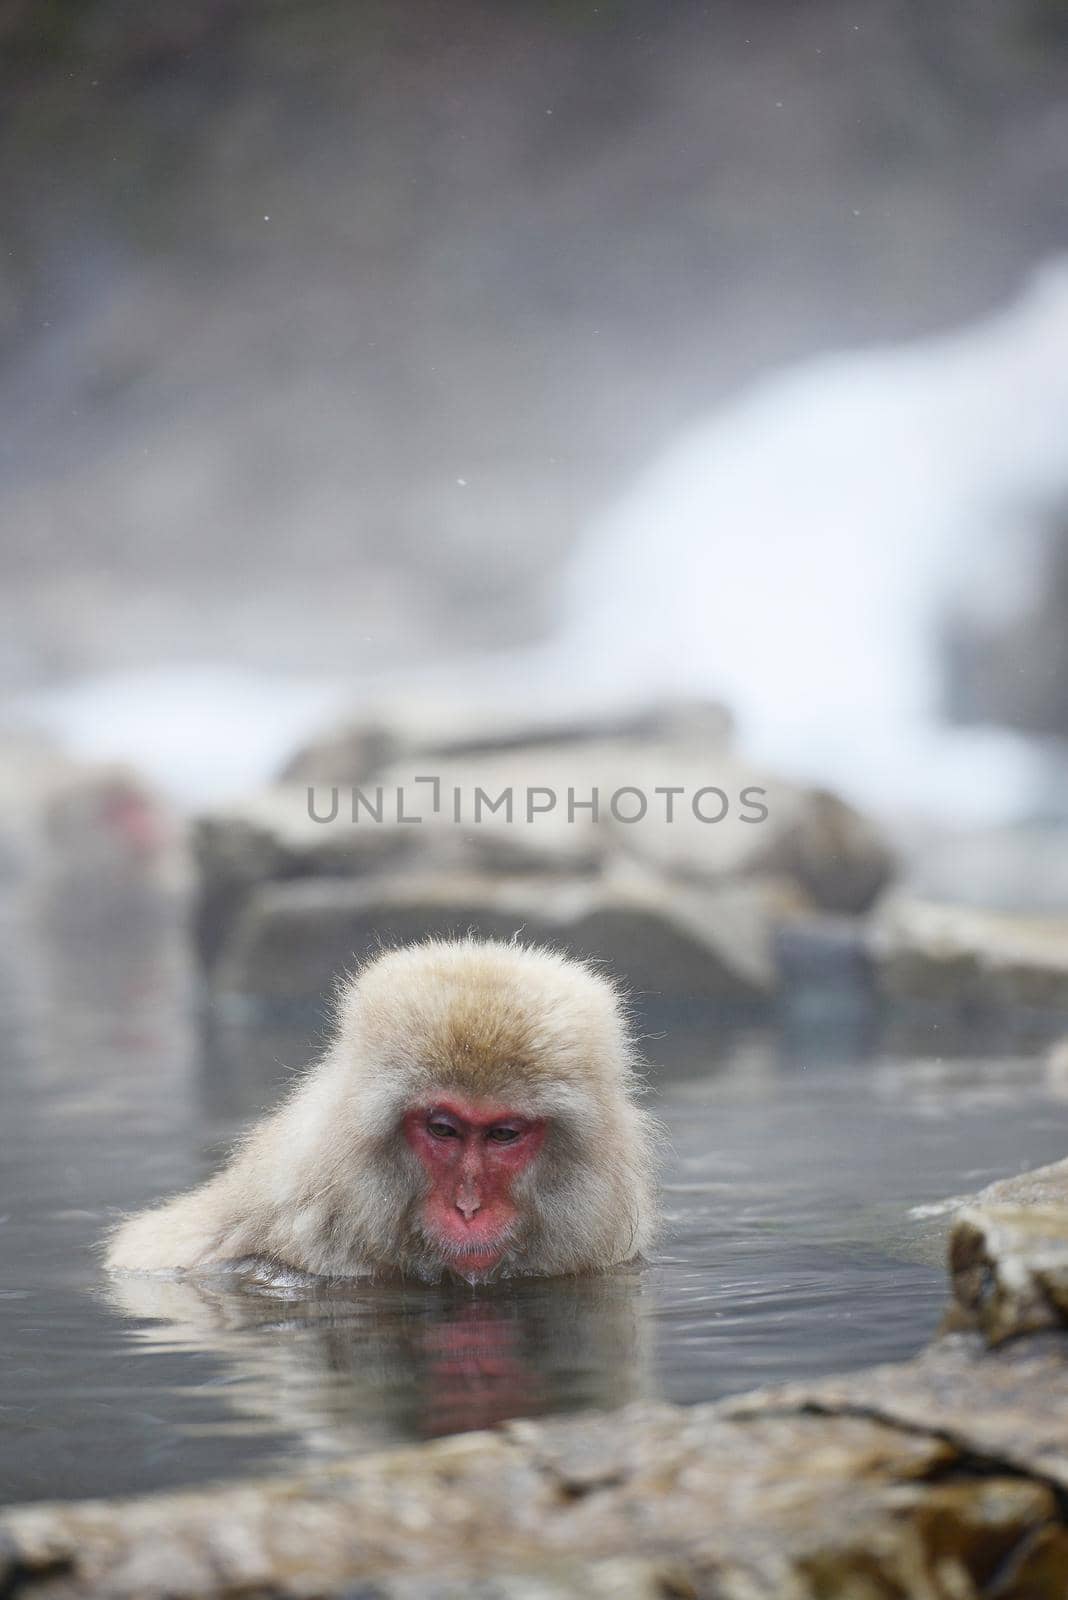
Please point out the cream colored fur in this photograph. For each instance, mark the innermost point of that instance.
(326, 1185)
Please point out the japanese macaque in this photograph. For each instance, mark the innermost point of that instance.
(475, 1116)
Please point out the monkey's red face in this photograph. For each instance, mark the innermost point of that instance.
(472, 1153)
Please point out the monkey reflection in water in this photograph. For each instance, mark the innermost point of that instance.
(361, 1365)
(476, 1117)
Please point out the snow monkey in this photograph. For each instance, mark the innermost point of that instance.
(475, 1115)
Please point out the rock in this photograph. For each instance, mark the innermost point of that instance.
(392, 729)
(1008, 1255)
(903, 1482)
(669, 943)
(978, 963)
(837, 857)
(685, 806)
(350, 753)
(274, 837)
(511, 803)
(271, 838)
(1041, 1187)
(1006, 1408)
(565, 1580)
(1009, 1266)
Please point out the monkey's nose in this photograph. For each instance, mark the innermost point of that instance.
(467, 1203)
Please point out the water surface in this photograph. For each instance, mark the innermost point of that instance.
(790, 1247)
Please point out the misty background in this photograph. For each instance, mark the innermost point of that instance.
(343, 340)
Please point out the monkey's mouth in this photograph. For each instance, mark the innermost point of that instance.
(474, 1261)
(475, 1268)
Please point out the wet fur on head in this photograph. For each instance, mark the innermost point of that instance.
(328, 1186)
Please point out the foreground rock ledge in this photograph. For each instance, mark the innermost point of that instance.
(943, 1479)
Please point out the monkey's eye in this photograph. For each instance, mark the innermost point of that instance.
(438, 1128)
(503, 1135)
